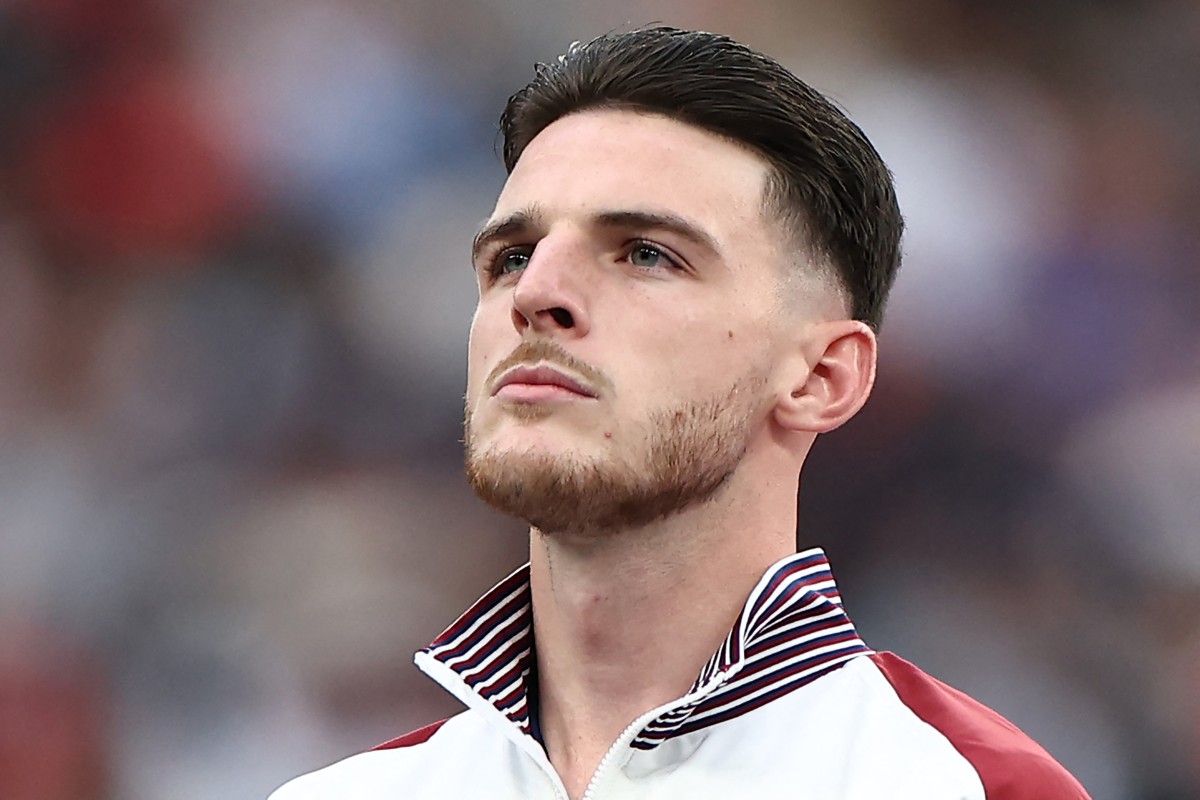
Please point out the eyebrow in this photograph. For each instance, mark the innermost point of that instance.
(522, 221)
(656, 220)
(515, 223)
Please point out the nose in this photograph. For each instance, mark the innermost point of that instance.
(550, 295)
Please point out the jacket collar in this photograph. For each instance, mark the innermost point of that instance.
(791, 631)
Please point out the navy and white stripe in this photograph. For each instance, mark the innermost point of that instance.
(791, 631)
(490, 647)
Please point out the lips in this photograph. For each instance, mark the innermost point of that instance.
(538, 382)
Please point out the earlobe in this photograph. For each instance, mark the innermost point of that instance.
(840, 359)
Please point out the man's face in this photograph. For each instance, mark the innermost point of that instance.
(629, 320)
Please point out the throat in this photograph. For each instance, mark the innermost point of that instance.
(578, 769)
(582, 755)
(591, 693)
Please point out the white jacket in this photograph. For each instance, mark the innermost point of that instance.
(793, 705)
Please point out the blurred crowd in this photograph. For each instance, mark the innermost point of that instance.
(234, 296)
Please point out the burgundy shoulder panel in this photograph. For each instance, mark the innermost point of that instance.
(409, 739)
(1011, 765)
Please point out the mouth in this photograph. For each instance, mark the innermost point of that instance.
(538, 383)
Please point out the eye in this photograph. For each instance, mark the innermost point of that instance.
(648, 256)
(511, 261)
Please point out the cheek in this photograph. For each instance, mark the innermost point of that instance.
(715, 355)
(477, 358)
(489, 341)
(698, 359)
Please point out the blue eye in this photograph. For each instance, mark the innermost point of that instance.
(648, 256)
(512, 261)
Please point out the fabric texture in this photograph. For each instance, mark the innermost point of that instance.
(792, 705)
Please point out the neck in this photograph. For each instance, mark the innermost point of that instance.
(625, 621)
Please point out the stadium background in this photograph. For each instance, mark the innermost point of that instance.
(234, 293)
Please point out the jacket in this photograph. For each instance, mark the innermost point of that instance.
(792, 705)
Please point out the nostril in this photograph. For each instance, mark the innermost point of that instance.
(562, 317)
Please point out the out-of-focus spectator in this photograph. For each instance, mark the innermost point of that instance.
(54, 701)
(1135, 468)
(234, 250)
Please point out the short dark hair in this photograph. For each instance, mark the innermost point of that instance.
(828, 183)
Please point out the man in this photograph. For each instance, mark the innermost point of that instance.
(679, 289)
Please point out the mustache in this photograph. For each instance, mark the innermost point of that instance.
(544, 351)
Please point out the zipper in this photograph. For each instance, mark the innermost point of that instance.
(622, 741)
(456, 686)
(638, 724)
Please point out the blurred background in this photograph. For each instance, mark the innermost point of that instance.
(234, 297)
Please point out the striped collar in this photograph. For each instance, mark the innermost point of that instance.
(791, 631)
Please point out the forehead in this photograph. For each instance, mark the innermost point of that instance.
(627, 160)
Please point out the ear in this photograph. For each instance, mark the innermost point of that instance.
(839, 357)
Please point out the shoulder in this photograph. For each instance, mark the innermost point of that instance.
(412, 738)
(399, 765)
(1010, 764)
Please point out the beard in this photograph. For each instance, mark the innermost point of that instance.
(689, 452)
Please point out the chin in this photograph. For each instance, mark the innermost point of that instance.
(527, 427)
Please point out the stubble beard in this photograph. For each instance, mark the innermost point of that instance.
(690, 451)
